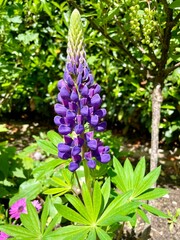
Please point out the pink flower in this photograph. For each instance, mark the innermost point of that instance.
(3, 236)
(17, 208)
(37, 205)
(20, 207)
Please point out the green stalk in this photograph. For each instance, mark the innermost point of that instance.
(86, 171)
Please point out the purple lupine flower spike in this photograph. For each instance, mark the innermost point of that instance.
(79, 103)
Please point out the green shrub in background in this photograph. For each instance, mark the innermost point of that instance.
(32, 46)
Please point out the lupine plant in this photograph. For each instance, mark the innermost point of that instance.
(89, 192)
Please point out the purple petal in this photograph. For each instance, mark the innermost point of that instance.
(75, 150)
(85, 111)
(94, 120)
(60, 109)
(88, 155)
(101, 127)
(84, 90)
(79, 129)
(105, 158)
(57, 120)
(89, 136)
(74, 96)
(64, 147)
(68, 140)
(64, 156)
(96, 101)
(91, 164)
(70, 115)
(73, 106)
(97, 89)
(73, 166)
(77, 158)
(92, 144)
(64, 130)
(78, 142)
(101, 112)
(65, 94)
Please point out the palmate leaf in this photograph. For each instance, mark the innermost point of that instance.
(57, 191)
(97, 200)
(111, 213)
(71, 215)
(106, 188)
(46, 167)
(142, 214)
(154, 211)
(139, 172)
(45, 213)
(54, 137)
(120, 177)
(69, 233)
(102, 234)
(147, 181)
(31, 220)
(129, 174)
(88, 201)
(29, 190)
(47, 146)
(153, 194)
(18, 232)
(79, 206)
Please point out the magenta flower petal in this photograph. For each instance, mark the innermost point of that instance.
(17, 208)
(37, 205)
(3, 236)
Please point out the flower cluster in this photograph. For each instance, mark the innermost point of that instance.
(20, 207)
(79, 106)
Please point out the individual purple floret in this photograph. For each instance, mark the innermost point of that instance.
(79, 111)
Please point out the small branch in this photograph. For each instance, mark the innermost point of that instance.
(170, 69)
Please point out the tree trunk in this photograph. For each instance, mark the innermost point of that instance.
(156, 112)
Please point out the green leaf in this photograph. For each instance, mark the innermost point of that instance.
(69, 233)
(106, 191)
(31, 220)
(120, 176)
(139, 172)
(47, 146)
(45, 213)
(29, 190)
(114, 206)
(147, 181)
(129, 174)
(56, 219)
(97, 200)
(17, 231)
(46, 167)
(88, 201)
(154, 211)
(143, 215)
(54, 137)
(71, 215)
(153, 194)
(102, 234)
(58, 191)
(175, 4)
(78, 205)
(92, 234)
